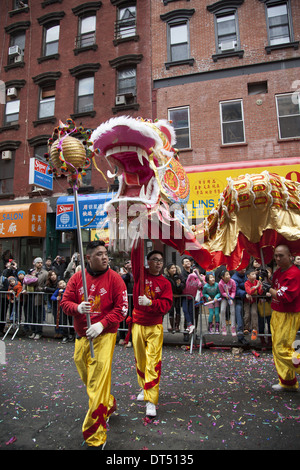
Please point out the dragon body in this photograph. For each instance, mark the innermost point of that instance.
(254, 212)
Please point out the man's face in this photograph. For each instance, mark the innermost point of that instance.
(186, 263)
(98, 259)
(155, 263)
(282, 257)
(39, 265)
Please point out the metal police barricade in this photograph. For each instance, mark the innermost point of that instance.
(8, 311)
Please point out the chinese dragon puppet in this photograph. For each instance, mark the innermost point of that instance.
(255, 212)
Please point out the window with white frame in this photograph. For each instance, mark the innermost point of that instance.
(85, 95)
(288, 115)
(47, 101)
(232, 122)
(180, 118)
(12, 110)
(278, 24)
(51, 40)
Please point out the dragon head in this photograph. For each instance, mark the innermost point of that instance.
(141, 153)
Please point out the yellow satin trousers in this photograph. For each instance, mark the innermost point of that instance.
(284, 327)
(96, 375)
(147, 344)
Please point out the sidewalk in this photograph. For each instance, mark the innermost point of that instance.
(213, 401)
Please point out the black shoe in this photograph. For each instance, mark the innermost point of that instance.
(242, 340)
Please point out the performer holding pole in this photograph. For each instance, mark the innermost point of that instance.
(107, 305)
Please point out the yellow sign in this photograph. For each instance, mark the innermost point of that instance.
(207, 185)
(102, 234)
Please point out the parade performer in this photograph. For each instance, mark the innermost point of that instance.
(107, 306)
(152, 299)
(285, 320)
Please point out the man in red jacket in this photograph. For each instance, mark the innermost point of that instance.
(152, 299)
(285, 320)
(107, 305)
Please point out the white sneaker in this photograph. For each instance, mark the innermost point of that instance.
(150, 409)
(279, 388)
(140, 396)
(190, 329)
(31, 336)
(37, 336)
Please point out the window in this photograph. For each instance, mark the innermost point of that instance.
(126, 22)
(51, 40)
(226, 32)
(127, 81)
(47, 101)
(179, 46)
(278, 24)
(232, 122)
(288, 115)
(17, 39)
(87, 31)
(12, 110)
(181, 122)
(178, 37)
(85, 96)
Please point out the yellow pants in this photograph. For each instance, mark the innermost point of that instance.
(96, 375)
(284, 327)
(147, 344)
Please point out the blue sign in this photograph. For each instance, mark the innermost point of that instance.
(91, 211)
(38, 174)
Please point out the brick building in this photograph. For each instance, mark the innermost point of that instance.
(226, 73)
(63, 58)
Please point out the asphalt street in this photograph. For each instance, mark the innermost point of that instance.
(213, 401)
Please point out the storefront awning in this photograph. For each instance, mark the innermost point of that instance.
(23, 220)
(91, 211)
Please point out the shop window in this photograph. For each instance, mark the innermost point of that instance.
(232, 122)
(180, 118)
(288, 115)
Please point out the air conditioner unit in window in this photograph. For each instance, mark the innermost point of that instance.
(120, 99)
(18, 58)
(14, 51)
(6, 155)
(12, 92)
(228, 46)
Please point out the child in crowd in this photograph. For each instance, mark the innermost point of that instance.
(264, 315)
(211, 294)
(193, 287)
(252, 287)
(227, 289)
(15, 289)
(59, 315)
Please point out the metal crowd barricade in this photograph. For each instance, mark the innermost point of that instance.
(8, 310)
(32, 312)
(35, 310)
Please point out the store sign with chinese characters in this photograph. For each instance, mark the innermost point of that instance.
(23, 220)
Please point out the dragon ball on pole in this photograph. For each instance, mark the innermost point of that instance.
(68, 157)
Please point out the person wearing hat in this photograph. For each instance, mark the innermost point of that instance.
(14, 289)
(41, 274)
